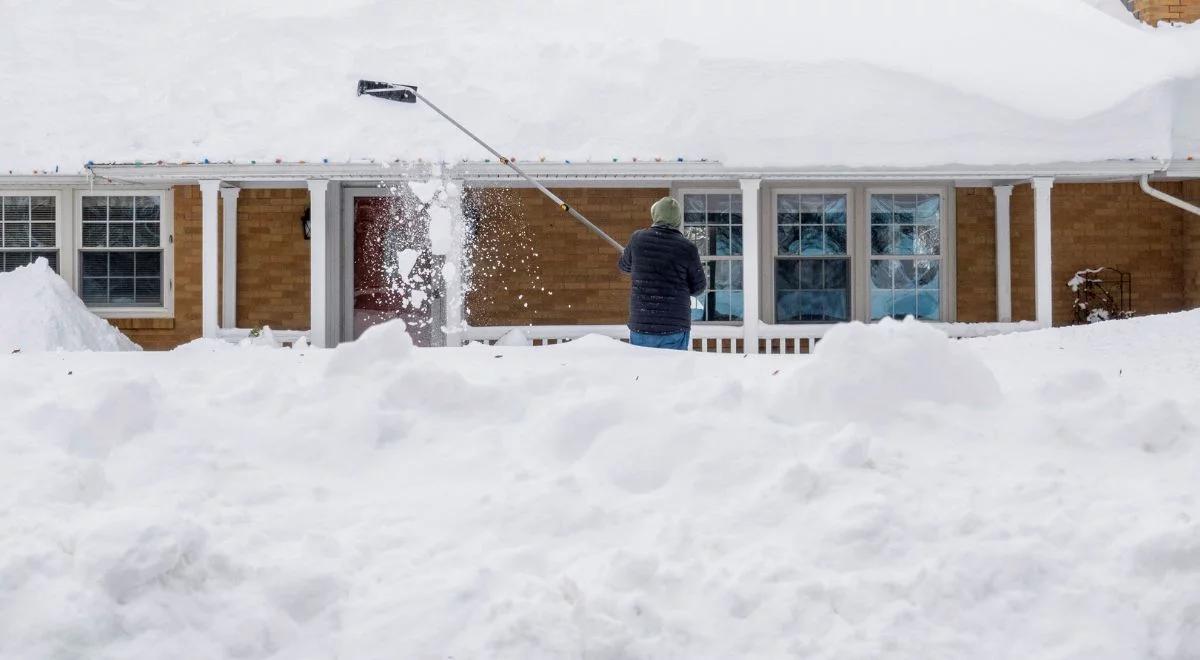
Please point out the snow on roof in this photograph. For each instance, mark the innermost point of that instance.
(755, 83)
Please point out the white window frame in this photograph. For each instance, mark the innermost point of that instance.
(852, 232)
(167, 234)
(944, 269)
(858, 229)
(60, 233)
(678, 194)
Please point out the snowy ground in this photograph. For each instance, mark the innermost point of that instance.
(1028, 496)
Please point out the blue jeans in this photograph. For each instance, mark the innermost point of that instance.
(676, 340)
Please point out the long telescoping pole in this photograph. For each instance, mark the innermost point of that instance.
(503, 159)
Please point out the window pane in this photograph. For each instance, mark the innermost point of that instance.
(698, 307)
(881, 304)
(735, 241)
(904, 303)
(95, 234)
(16, 234)
(812, 274)
(146, 234)
(146, 209)
(927, 274)
(881, 274)
(721, 277)
(718, 241)
(16, 209)
(881, 239)
(42, 209)
(903, 239)
(835, 209)
(835, 240)
(148, 291)
(812, 209)
(120, 290)
(10, 261)
(928, 305)
(881, 209)
(42, 234)
(120, 264)
(837, 274)
(928, 240)
(812, 241)
(929, 209)
(120, 234)
(787, 306)
(95, 264)
(735, 209)
(718, 209)
(789, 240)
(120, 209)
(95, 208)
(789, 209)
(728, 305)
(735, 273)
(787, 273)
(95, 290)
(148, 264)
(904, 274)
(904, 209)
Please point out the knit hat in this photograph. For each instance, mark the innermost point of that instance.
(666, 213)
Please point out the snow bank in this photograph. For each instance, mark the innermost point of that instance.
(601, 501)
(41, 313)
(825, 82)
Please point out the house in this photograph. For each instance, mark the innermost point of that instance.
(910, 187)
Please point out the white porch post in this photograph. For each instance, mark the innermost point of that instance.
(229, 258)
(1042, 274)
(208, 256)
(317, 263)
(1003, 253)
(751, 264)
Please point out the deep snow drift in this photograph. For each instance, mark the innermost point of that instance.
(755, 82)
(897, 495)
(40, 312)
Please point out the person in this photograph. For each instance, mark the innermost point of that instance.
(666, 272)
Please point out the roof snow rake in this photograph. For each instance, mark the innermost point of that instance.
(409, 94)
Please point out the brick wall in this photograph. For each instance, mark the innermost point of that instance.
(272, 267)
(551, 251)
(273, 259)
(1153, 11)
(1104, 224)
(1191, 242)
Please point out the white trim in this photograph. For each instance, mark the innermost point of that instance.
(62, 242)
(229, 230)
(166, 241)
(1003, 253)
(1042, 270)
(318, 270)
(946, 254)
(731, 188)
(852, 231)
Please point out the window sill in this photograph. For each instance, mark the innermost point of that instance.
(132, 312)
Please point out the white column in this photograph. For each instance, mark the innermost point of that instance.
(751, 263)
(1042, 273)
(1003, 253)
(229, 257)
(208, 256)
(317, 263)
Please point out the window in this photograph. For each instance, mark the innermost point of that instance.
(121, 250)
(812, 264)
(906, 248)
(713, 222)
(28, 230)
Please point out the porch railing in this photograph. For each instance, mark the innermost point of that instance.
(773, 339)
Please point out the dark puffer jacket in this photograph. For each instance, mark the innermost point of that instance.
(666, 272)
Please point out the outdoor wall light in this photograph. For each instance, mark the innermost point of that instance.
(306, 224)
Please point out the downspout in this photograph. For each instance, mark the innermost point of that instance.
(1173, 201)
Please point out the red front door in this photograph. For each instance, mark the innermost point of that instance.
(394, 272)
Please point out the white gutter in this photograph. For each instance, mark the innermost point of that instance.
(1173, 201)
